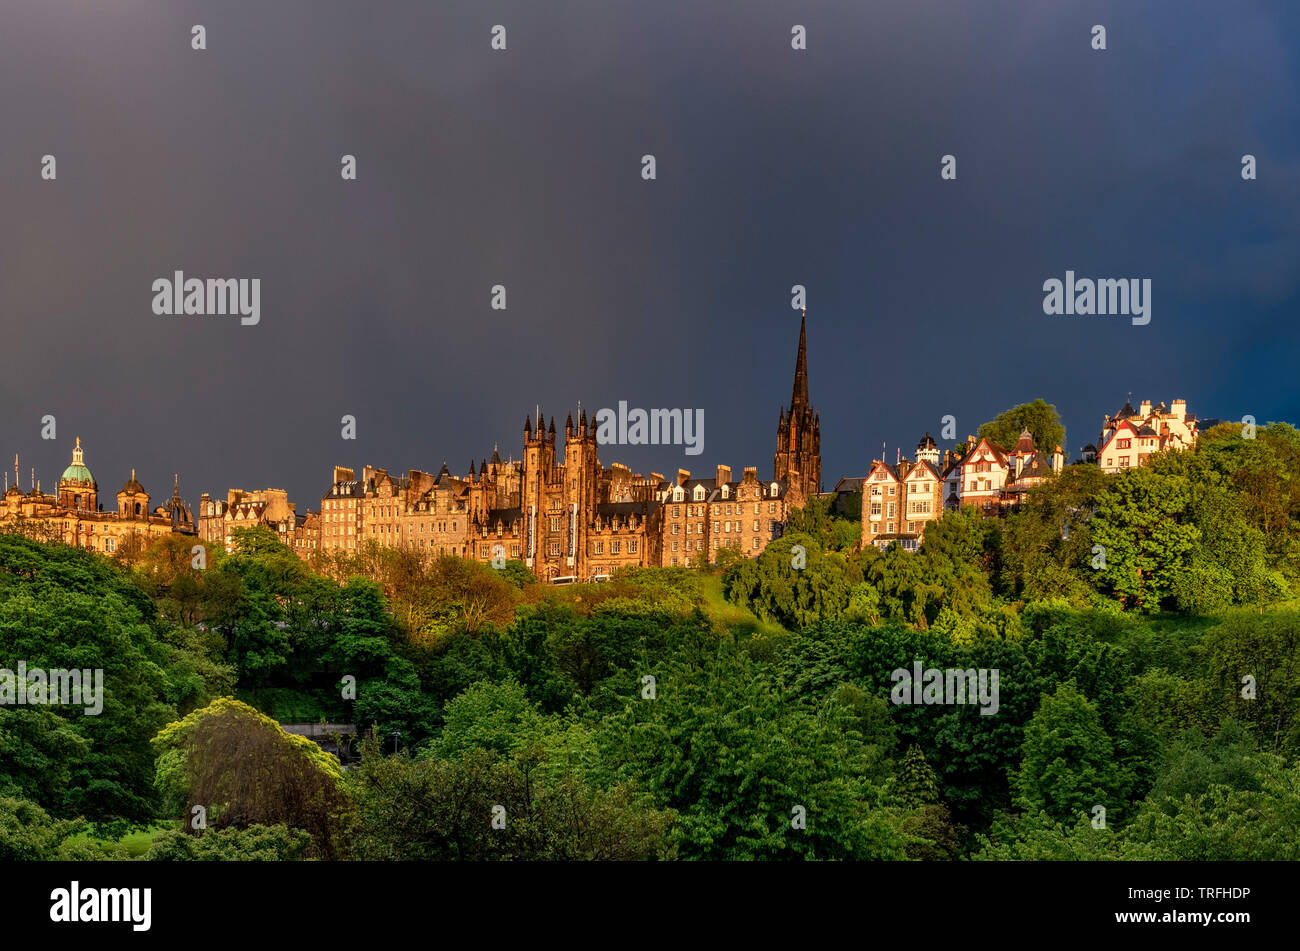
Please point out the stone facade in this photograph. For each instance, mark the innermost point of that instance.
(264, 508)
(987, 477)
(76, 516)
(567, 516)
(899, 500)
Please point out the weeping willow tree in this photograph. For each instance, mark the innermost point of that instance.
(228, 766)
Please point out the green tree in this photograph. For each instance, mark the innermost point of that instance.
(244, 770)
(1067, 763)
(1040, 418)
(1145, 536)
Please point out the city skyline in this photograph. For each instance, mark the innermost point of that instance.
(924, 295)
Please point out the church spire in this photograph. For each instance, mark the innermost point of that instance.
(799, 396)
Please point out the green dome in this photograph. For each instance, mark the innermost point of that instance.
(77, 472)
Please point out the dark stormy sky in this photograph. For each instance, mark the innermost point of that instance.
(522, 168)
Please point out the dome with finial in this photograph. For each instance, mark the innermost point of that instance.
(131, 486)
(77, 472)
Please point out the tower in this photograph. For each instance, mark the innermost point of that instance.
(539, 463)
(581, 471)
(78, 489)
(927, 451)
(798, 431)
(133, 500)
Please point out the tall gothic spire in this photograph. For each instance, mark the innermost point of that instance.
(798, 434)
(799, 396)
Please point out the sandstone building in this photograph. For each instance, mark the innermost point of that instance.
(899, 500)
(76, 516)
(566, 515)
(267, 508)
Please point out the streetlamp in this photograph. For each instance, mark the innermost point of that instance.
(396, 736)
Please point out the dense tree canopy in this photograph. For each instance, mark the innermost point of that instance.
(1142, 626)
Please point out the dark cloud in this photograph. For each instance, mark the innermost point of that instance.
(522, 168)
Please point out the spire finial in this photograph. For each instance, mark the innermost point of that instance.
(799, 394)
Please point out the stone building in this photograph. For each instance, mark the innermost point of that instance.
(264, 508)
(899, 500)
(76, 516)
(1130, 436)
(701, 516)
(566, 515)
(987, 477)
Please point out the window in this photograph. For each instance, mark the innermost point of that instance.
(631, 546)
(1124, 444)
(675, 527)
(875, 508)
(615, 547)
(756, 543)
(755, 528)
(600, 548)
(1123, 462)
(771, 508)
(677, 511)
(674, 549)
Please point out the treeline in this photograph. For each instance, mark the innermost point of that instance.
(1149, 711)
